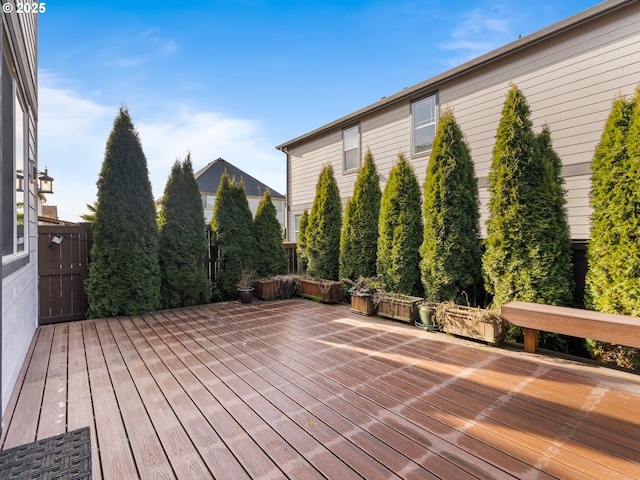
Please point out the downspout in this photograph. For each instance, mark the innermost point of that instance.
(287, 209)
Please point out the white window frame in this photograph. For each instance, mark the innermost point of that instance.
(20, 130)
(349, 146)
(20, 155)
(422, 125)
(296, 226)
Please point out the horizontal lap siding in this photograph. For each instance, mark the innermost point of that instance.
(570, 81)
(569, 86)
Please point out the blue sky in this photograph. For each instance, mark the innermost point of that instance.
(235, 78)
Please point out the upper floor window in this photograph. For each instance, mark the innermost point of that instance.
(423, 113)
(208, 201)
(351, 148)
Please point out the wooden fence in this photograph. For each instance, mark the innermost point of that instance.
(63, 266)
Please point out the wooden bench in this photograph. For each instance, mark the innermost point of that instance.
(606, 327)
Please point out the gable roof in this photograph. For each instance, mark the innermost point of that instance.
(208, 179)
(544, 34)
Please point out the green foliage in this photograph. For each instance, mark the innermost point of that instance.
(91, 216)
(450, 254)
(234, 236)
(271, 258)
(301, 247)
(552, 272)
(527, 214)
(400, 230)
(613, 278)
(183, 241)
(323, 231)
(124, 274)
(359, 237)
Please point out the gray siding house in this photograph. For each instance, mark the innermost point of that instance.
(208, 179)
(18, 194)
(570, 73)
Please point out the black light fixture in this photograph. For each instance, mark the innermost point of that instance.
(46, 182)
(19, 180)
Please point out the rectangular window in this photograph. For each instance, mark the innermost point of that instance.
(423, 113)
(351, 148)
(296, 226)
(208, 201)
(21, 168)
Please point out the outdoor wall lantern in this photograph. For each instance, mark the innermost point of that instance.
(19, 180)
(45, 184)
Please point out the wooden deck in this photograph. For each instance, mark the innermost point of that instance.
(295, 389)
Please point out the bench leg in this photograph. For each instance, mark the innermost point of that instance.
(530, 340)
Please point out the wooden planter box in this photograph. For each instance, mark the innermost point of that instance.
(404, 308)
(325, 291)
(363, 304)
(472, 323)
(267, 289)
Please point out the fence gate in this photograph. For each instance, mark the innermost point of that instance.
(63, 266)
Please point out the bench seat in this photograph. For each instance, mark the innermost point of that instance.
(606, 327)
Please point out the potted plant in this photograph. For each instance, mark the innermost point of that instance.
(245, 285)
(362, 294)
(397, 306)
(319, 290)
(427, 313)
(469, 322)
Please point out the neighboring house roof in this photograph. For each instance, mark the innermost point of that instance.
(208, 179)
(495, 55)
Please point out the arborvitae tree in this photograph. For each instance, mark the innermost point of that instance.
(514, 178)
(323, 230)
(613, 278)
(271, 258)
(301, 248)
(183, 241)
(400, 230)
(359, 237)
(451, 260)
(234, 236)
(124, 274)
(553, 274)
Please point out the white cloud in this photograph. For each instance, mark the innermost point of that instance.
(479, 32)
(73, 131)
(208, 136)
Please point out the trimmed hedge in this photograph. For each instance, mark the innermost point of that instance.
(359, 237)
(124, 274)
(400, 230)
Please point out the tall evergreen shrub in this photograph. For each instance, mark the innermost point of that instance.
(526, 256)
(234, 236)
(323, 230)
(554, 282)
(124, 274)
(450, 254)
(400, 230)
(301, 247)
(514, 178)
(359, 237)
(613, 247)
(613, 279)
(271, 258)
(183, 241)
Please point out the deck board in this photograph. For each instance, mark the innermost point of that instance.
(295, 389)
